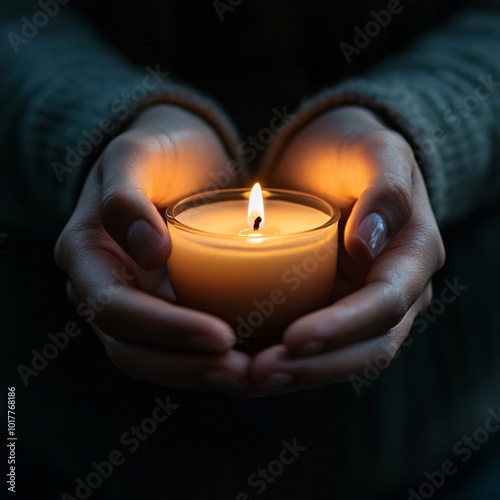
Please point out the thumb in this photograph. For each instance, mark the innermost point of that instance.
(377, 216)
(127, 212)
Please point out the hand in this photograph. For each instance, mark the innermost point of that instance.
(115, 247)
(390, 247)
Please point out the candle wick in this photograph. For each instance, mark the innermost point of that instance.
(256, 223)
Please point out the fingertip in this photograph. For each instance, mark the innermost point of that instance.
(304, 338)
(239, 363)
(267, 362)
(215, 334)
(369, 238)
(231, 375)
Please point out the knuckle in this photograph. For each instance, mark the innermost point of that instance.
(427, 297)
(79, 234)
(428, 243)
(112, 203)
(397, 304)
(400, 199)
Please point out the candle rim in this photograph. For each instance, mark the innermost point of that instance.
(210, 197)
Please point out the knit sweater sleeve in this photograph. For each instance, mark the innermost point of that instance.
(443, 95)
(64, 92)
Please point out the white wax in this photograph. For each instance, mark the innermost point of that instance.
(257, 284)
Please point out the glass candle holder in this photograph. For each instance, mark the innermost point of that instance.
(257, 280)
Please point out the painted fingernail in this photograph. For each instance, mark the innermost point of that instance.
(373, 232)
(143, 241)
(220, 380)
(313, 347)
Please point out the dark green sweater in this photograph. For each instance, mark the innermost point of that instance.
(431, 74)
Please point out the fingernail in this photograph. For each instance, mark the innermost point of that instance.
(220, 380)
(373, 232)
(143, 241)
(313, 347)
(278, 380)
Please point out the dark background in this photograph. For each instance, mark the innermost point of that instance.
(76, 409)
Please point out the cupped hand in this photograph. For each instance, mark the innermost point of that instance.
(390, 247)
(115, 247)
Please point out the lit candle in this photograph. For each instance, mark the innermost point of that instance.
(258, 260)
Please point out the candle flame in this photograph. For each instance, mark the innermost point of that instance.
(255, 206)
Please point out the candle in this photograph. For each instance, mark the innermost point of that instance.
(258, 260)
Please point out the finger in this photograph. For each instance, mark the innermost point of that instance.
(363, 315)
(275, 371)
(107, 296)
(393, 284)
(128, 169)
(386, 206)
(103, 282)
(227, 372)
